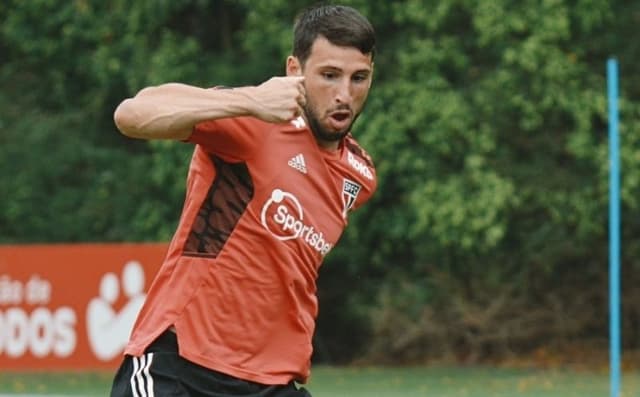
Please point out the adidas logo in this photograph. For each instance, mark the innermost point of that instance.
(297, 162)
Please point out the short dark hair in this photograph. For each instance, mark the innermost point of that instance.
(341, 25)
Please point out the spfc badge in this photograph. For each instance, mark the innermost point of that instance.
(350, 191)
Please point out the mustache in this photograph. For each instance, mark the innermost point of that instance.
(341, 107)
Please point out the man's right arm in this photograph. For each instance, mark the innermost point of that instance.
(170, 111)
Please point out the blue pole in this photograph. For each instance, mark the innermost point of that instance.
(614, 228)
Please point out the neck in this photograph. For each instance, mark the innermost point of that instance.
(329, 145)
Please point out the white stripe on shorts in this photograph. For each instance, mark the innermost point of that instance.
(148, 375)
(134, 387)
(139, 387)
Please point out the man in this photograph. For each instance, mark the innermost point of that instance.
(274, 175)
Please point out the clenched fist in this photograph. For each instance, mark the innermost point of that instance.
(279, 99)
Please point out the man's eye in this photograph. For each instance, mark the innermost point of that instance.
(359, 78)
(329, 75)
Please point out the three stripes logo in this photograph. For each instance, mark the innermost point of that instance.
(141, 380)
(298, 163)
(299, 122)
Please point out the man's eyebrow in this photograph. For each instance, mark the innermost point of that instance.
(330, 67)
(338, 69)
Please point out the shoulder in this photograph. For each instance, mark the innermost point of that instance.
(361, 180)
(244, 122)
(353, 147)
(359, 163)
(232, 138)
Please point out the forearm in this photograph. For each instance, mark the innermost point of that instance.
(170, 111)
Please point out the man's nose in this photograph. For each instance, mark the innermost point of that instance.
(343, 92)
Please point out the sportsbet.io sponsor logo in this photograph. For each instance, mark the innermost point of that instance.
(283, 216)
(359, 166)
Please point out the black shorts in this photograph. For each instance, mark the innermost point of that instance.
(160, 371)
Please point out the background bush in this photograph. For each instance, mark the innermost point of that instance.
(487, 122)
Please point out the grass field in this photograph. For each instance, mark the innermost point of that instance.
(376, 382)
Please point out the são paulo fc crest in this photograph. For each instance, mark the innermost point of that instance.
(350, 191)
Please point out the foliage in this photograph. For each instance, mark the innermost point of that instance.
(487, 123)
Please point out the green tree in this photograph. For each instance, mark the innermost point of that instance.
(487, 123)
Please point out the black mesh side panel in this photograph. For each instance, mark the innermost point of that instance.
(225, 203)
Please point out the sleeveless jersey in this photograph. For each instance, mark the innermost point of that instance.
(264, 205)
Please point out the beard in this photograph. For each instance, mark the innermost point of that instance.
(321, 133)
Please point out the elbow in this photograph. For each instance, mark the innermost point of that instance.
(125, 118)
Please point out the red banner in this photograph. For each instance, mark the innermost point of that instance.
(66, 307)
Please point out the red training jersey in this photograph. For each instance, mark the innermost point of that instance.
(264, 205)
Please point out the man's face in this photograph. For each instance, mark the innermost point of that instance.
(337, 81)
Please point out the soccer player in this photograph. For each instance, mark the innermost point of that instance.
(274, 175)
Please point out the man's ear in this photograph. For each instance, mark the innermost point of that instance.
(293, 66)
